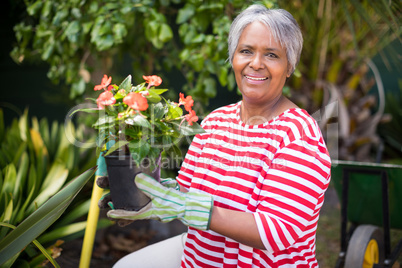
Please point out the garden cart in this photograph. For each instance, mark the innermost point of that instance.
(371, 205)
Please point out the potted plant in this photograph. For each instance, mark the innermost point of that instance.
(141, 124)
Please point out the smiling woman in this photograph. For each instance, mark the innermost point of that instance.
(253, 184)
(264, 53)
(261, 68)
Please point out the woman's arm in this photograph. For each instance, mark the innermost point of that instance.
(237, 225)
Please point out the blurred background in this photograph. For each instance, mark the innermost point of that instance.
(54, 52)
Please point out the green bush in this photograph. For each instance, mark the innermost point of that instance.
(82, 40)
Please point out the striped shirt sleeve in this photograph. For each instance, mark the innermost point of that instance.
(291, 188)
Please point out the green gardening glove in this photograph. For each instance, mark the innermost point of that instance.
(193, 209)
(170, 183)
(106, 200)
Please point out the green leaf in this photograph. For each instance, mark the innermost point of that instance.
(152, 33)
(42, 218)
(211, 7)
(9, 179)
(47, 50)
(78, 211)
(153, 97)
(210, 87)
(54, 180)
(60, 16)
(158, 111)
(46, 9)
(158, 91)
(86, 110)
(72, 28)
(198, 39)
(86, 27)
(76, 13)
(166, 141)
(119, 31)
(119, 96)
(61, 232)
(138, 120)
(174, 112)
(223, 76)
(188, 130)
(185, 13)
(105, 120)
(126, 84)
(174, 152)
(197, 61)
(139, 150)
(8, 212)
(37, 244)
(22, 211)
(77, 88)
(22, 174)
(34, 8)
(116, 146)
(165, 33)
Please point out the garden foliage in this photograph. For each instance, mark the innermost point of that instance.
(83, 39)
(36, 162)
(337, 71)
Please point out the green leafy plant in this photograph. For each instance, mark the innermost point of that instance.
(340, 39)
(12, 244)
(36, 161)
(140, 119)
(82, 40)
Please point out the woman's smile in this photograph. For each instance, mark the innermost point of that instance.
(254, 79)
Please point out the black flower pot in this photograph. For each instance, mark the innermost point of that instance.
(121, 171)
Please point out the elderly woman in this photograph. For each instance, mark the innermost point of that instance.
(252, 186)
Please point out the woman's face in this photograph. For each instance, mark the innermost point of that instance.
(260, 65)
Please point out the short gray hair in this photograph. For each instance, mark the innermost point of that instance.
(283, 26)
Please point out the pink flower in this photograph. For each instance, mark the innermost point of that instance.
(188, 102)
(191, 117)
(136, 101)
(105, 98)
(105, 82)
(153, 80)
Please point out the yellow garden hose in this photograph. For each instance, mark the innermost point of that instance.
(90, 230)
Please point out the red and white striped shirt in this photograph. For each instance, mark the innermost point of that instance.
(279, 171)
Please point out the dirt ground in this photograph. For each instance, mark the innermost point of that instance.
(114, 242)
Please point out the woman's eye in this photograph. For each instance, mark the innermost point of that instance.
(272, 55)
(244, 51)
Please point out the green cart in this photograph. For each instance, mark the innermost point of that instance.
(371, 205)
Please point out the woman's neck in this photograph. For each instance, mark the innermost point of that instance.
(255, 113)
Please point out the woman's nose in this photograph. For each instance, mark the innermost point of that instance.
(256, 62)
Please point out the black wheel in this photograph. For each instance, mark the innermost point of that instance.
(366, 247)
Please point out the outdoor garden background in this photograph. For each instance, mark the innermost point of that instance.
(54, 52)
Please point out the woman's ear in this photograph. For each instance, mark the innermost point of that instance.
(288, 72)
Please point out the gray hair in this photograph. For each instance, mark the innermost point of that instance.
(283, 26)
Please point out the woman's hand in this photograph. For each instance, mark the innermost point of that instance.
(192, 208)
